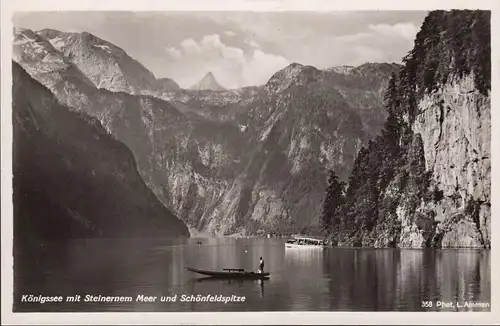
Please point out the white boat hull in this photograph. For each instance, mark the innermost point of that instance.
(303, 246)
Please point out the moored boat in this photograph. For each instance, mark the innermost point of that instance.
(306, 242)
(231, 273)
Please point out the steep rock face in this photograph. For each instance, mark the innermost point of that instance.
(105, 64)
(47, 62)
(455, 126)
(298, 125)
(313, 115)
(198, 167)
(426, 179)
(207, 83)
(248, 160)
(71, 179)
(302, 127)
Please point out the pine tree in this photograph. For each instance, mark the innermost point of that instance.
(332, 205)
(481, 38)
(391, 96)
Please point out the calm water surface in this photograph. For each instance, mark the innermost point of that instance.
(332, 279)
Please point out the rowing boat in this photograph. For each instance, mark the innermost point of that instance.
(231, 273)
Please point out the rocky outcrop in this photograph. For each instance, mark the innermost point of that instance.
(425, 181)
(72, 179)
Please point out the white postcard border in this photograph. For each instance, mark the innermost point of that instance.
(270, 318)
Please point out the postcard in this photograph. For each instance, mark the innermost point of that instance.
(255, 162)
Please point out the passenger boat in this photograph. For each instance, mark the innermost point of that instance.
(231, 273)
(305, 242)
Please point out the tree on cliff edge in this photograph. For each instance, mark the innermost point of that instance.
(332, 205)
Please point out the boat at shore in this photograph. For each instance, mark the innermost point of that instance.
(237, 273)
(306, 242)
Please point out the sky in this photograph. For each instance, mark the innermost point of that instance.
(241, 48)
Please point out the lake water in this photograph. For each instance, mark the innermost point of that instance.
(333, 279)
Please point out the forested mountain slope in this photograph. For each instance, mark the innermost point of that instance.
(72, 179)
(425, 180)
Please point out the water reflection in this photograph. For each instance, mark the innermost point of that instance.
(304, 256)
(301, 279)
(237, 282)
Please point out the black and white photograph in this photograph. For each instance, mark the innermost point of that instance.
(251, 161)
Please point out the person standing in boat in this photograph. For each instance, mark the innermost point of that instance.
(261, 265)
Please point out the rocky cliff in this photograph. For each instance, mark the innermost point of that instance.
(248, 160)
(425, 180)
(105, 64)
(72, 179)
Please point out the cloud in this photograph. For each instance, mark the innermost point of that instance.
(212, 41)
(190, 46)
(253, 44)
(354, 37)
(231, 65)
(406, 30)
(174, 53)
(229, 33)
(231, 53)
(261, 66)
(367, 54)
(375, 43)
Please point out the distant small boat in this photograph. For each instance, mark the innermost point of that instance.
(231, 273)
(305, 242)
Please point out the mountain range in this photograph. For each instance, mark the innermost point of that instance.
(410, 142)
(249, 160)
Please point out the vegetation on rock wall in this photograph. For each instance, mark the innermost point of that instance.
(389, 183)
